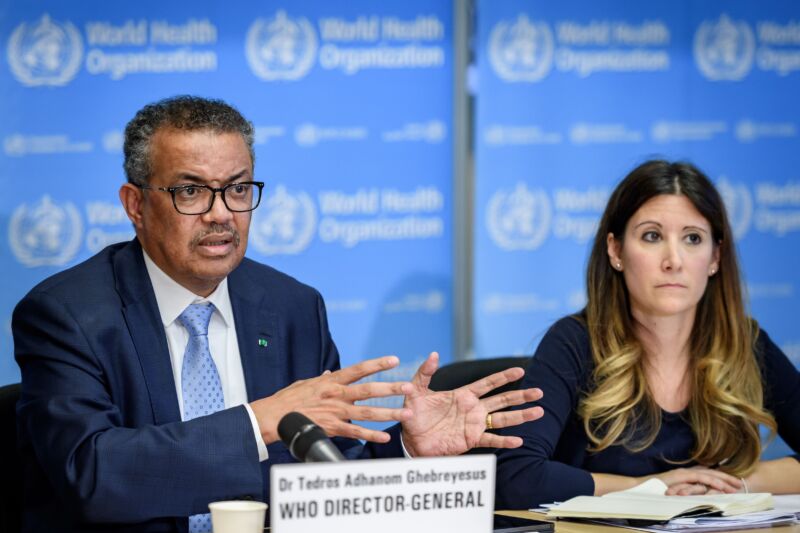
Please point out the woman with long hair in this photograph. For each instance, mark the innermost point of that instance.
(662, 374)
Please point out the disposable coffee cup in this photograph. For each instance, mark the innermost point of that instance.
(237, 516)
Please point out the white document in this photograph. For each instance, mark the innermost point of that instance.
(648, 501)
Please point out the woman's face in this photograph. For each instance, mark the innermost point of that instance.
(666, 256)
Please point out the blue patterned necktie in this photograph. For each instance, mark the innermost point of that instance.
(200, 383)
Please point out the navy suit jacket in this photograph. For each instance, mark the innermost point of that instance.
(100, 433)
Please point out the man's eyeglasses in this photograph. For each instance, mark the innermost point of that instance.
(239, 197)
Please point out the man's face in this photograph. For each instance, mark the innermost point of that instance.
(197, 251)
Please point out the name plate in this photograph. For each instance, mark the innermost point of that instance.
(384, 495)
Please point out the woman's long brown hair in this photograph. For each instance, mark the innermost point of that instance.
(726, 405)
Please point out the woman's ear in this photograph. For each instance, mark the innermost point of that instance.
(614, 252)
(714, 266)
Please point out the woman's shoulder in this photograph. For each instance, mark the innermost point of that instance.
(780, 377)
(567, 336)
(768, 354)
(570, 326)
(762, 341)
(764, 347)
(562, 359)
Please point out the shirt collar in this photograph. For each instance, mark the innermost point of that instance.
(172, 297)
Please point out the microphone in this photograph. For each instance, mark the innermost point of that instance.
(306, 440)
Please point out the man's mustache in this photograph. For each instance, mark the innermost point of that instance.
(222, 230)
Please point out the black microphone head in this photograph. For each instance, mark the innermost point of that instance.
(309, 437)
(299, 434)
(290, 425)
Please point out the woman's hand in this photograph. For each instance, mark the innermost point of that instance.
(698, 480)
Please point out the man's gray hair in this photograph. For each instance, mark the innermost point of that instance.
(180, 112)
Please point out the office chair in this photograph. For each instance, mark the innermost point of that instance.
(11, 480)
(462, 373)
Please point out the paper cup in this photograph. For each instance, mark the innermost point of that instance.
(237, 516)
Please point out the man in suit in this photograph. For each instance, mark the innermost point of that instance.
(155, 373)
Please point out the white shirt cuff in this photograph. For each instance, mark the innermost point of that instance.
(402, 445)
(263, 454)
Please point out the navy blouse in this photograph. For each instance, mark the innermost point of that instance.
(554, 463)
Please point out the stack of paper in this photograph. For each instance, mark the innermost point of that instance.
(745, 521)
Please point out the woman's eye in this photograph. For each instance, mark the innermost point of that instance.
(651, 236)
(693, 238)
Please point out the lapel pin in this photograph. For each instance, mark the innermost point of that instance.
(263, 343)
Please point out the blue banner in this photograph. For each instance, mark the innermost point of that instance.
(574, 95)
(351, 103)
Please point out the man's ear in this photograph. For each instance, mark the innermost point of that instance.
(614, 251)
(132, 198)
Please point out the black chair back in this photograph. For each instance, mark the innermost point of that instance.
(11, 480)
(463, 373)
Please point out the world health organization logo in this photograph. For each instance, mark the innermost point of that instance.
(520, 219)
(281, 48)
(285, 224)
(45, 53)
(739, 204)
(522, 51)
(45, 233)
(724, 49)
(306, 135)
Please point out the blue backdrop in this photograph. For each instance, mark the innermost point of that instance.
(571, 96)
(351, 103)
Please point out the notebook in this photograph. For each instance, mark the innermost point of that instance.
(648, 502)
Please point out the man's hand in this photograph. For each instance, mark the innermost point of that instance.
(453, 422)
(329, 399)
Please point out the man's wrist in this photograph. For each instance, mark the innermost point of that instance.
(268, 427)
(263, 453)
(406, 452)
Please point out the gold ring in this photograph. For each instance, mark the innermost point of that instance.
(489, 421)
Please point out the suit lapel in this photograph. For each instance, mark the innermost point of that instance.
(258, 336)
(147, 332)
